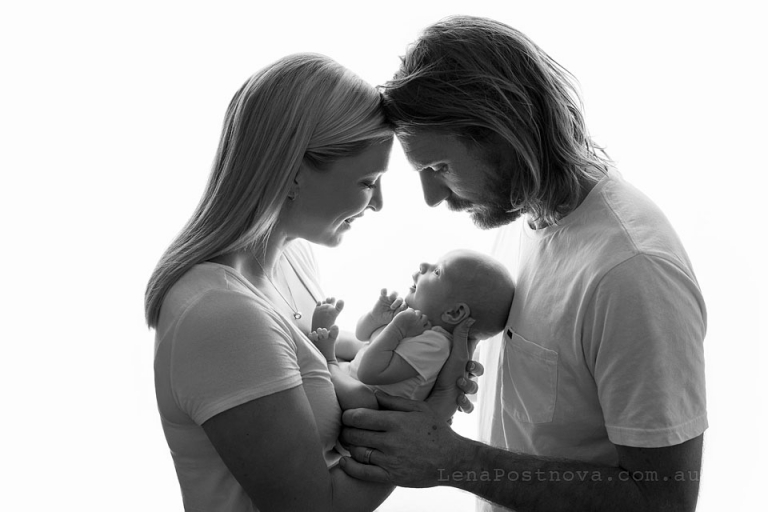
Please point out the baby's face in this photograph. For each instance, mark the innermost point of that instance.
(433, 286)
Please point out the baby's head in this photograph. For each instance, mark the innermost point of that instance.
(461, 284)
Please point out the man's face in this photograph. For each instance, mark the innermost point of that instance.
(461, 177)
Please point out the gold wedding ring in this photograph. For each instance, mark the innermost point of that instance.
(367, 456)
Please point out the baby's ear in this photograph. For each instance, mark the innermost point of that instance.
(456, 314)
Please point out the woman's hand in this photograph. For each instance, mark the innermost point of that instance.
(454, 382)
(326, 313)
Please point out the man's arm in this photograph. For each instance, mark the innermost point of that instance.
(414, 448)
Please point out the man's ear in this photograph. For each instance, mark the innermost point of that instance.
(456, 314)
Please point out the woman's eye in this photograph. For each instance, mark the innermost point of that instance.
(371, 184)
(437, 271)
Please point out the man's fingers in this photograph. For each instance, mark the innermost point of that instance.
(368, 419)
(464, 404)
(395, 403)
(475, 368)
(385, 419)
(461, 332)
(468, 386)
(366, 455)
(350, 437)
(363, 471)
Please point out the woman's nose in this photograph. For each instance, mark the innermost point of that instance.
(377, 199)
(423, 268)
(434, 191)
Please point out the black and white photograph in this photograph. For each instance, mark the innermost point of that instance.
(395, 256)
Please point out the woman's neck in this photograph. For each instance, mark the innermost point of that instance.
(254, 263)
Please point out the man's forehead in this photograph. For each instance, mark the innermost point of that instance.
(424, 148)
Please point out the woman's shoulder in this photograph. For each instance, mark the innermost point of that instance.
(211, 292)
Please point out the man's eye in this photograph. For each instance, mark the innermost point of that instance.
(437, 271)
(436, 168)
(371, 184)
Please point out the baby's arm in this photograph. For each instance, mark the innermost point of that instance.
(380, 364)
(386, 307)
(351, 393)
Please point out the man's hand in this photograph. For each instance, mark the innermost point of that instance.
(411, 445)
(325, 340)
(326, 313)
(411, 322)
(454, 382)
(387, 306)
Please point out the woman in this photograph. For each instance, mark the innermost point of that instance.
(246, 401)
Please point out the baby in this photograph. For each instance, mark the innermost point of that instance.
(410, 339)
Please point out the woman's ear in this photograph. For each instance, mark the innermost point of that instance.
(293, 192)
(456, 314)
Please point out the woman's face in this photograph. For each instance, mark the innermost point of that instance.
(329, 201)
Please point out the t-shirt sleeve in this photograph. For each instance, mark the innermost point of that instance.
(426, 352)
(644, 333)
(228, 350)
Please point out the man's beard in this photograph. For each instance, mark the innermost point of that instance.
(494, 209)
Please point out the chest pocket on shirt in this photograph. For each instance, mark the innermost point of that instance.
(530, 380)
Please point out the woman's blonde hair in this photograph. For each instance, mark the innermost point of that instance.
(302, 108)
(491, 86)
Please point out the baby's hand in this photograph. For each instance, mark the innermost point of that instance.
(326, 313)
(325, 340)
(411, 322)
(387, 306)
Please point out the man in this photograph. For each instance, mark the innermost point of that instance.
(600, 401)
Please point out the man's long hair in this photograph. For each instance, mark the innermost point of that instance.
(493, 88)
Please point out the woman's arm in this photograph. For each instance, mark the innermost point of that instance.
(272, 447)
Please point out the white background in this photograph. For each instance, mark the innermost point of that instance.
(109, 118)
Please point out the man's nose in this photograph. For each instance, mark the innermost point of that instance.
(434, 191)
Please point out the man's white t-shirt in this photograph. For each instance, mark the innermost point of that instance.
(604, 341)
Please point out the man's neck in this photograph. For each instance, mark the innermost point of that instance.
(586, 186)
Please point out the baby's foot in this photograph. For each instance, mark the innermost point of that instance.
(326, 313)
(325, 340)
